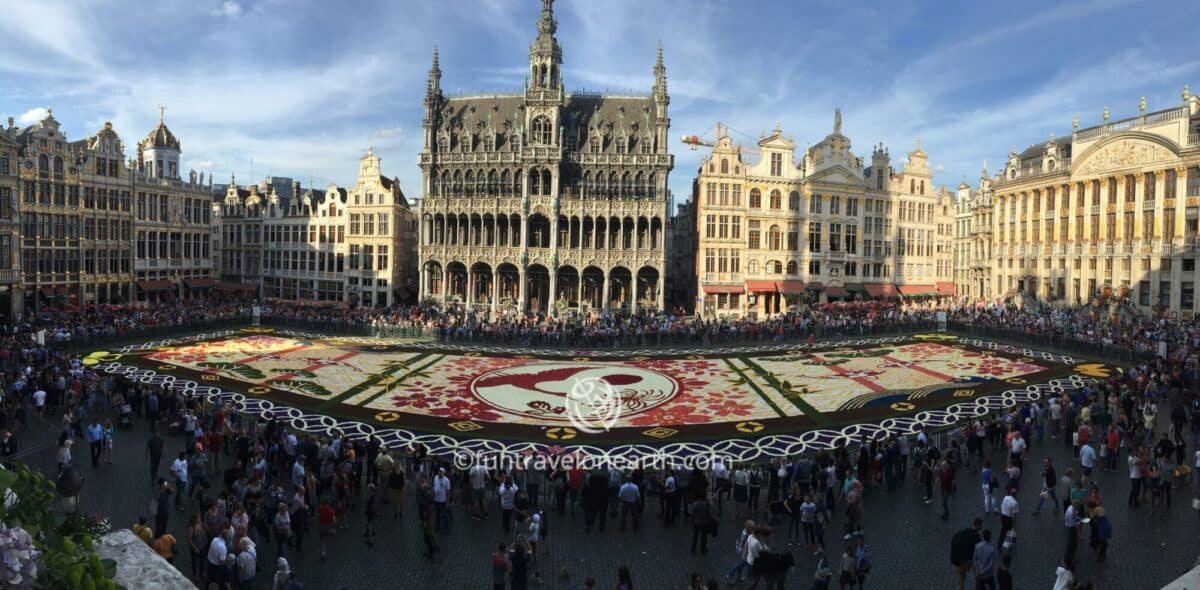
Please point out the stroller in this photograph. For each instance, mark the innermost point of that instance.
(125, 416)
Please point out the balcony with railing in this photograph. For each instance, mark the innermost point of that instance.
(1179, 112)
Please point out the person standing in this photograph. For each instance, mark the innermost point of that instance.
(1072, 522)
(946, 486)
(739, 547)
(500, 567)
(594, 501)
(990, 483)
(507, 492)
(962, 550)
(628, 494)
(95, 437)
(179, 470)
(154, 451)
(984, 563)
(162, 506)
(1135, 478)
(1008, 513)
(441, 499)
(1103, 529)
(703, 524)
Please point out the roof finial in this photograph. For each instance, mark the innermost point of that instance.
(162, 109)
(1142, 105)
(918, 143)
(837, 121)
(1075, 123)
(658, 62)
(1186, 94)
(1105, 113)
(435, 57)
(49, 112)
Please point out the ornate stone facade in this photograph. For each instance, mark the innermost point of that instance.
(544, 201)
(774, 232)
(1112, 209)
(355, 245)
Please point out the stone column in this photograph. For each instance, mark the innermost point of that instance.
(470, 298)
(445, 285)
(604, 293)
(495, 292)
(522, 290)
(660, 288)
(421, 281)
(552, 295)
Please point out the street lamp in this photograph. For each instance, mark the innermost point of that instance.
(69, 485)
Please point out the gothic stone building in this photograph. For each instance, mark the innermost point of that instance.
(543, 200)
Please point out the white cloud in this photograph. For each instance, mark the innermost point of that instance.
(32, 116)
(228, 9)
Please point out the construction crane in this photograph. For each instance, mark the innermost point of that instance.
(694, 141)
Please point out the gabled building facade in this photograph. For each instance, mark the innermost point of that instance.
(545, 201)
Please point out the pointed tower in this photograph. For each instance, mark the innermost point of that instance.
(159, 152)
(433, 100)
(662, 122)
(545, 56)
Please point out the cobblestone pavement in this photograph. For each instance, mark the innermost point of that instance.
(909, 543)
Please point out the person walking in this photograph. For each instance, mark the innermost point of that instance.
(441, 500)
(154, 452)
(962, 550)
(1072, 522)
(984, 563)
(946, 486)
(739, 547)
(1049, 485)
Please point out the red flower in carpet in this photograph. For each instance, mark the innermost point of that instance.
(461, 409)
(673, 414)
(729, 408)
(416, 400)
(690, 384)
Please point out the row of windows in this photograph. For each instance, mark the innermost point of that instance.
(364, 225)
(1032, 231)
(1117, 189)
(173, 245)
(370, 257)
(47, 193)
(305, 234)
(723, 260)
(106, 229)
(303, 261)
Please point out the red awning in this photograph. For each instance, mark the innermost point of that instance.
(228, 286)
(201, 283)
(155, 285)
(761, 286)
(792, 286)
(724, 289)
(945, 288)
(917, 289)
(835, 291)
(880, 289)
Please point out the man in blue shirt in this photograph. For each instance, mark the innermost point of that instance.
(984, 562)
(95, 436)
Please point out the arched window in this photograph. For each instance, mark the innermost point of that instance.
(791, 267)
(724, 166)
(776, 200)
(776, 267)
(44, 166)
(794, 201)
(646, 144)
(541, 131)
(547, 187)
(775, 238)
(622, 142)
(58, 166)
(755, 199)
(535, 179)
(752, 267)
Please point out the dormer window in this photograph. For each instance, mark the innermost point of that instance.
(776, 164)
(594, 144)
(621, 143)
(541, 131)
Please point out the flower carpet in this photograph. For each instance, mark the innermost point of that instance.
(774, 401)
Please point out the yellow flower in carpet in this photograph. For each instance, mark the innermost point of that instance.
(1097, 370)
(99, 356)
(936, 336)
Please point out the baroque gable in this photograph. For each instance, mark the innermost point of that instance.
(1123, 153)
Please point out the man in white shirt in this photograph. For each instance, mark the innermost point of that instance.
(1071, 521)
(478, 475)
(508, 493)
(628, 495)
(1008, 513)
(217, 555)
(39, 400)
(441, 499)
(1018, 447)
(179, 469)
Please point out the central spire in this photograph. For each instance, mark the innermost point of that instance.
(546, 23)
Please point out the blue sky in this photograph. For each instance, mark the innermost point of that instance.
(303, 88)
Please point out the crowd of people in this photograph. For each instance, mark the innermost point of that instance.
(253, 490)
